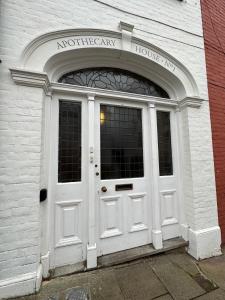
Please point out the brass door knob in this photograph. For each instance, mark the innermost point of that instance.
(104, 189)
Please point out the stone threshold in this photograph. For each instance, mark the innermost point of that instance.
(120, 257)
(139, 252)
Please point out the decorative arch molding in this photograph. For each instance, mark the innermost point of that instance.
(51, 55)
(92, 58)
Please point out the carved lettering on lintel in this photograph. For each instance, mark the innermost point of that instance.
(86, 41)
(97, 41)
(154, 56)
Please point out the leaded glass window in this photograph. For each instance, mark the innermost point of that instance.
(121, 142)
(114, 79)
(164, 143)
(69, 151)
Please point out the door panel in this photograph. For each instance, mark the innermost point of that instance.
(138, 212)
(68, 229)
(110, 216)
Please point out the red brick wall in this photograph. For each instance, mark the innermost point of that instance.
(213, 13)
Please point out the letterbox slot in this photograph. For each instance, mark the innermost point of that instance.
(124, 187)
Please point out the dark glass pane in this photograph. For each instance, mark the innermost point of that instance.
(114, 79)
(164, 141)
(69, 160)
(121, 142)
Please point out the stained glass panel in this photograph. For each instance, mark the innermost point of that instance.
(114, 79)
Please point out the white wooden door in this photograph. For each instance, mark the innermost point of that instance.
(122, 176)
(168, 168)
(69, 181)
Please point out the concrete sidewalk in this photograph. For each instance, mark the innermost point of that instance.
(173, 275)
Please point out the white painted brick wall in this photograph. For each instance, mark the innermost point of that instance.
(200, 205)
(202, 168)
(21, 107)
(19, 177)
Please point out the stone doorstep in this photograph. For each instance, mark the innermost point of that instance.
(121, 257)
(139, 252)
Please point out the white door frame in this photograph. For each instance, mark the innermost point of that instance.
(72, 92)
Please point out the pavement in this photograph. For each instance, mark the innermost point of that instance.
(172, 275)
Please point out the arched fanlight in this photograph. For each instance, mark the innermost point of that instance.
(114, 79)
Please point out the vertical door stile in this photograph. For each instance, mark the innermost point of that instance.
(47, 207)
(156, 221)
(147, 168)
(91, 246)
(53, 176)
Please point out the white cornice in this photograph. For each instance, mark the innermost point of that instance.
(40, 80)
(31, 78)
(193, 102)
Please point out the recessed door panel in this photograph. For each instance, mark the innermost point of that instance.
(169, 207)
(138, 212)
(68, 223)
(111, 216)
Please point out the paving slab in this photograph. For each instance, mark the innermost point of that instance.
(179, 284)
(61, 285)
(218, 294)
(104, 286)
(138, 282)
(214, 269)
(185, 262)
(77, 294)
